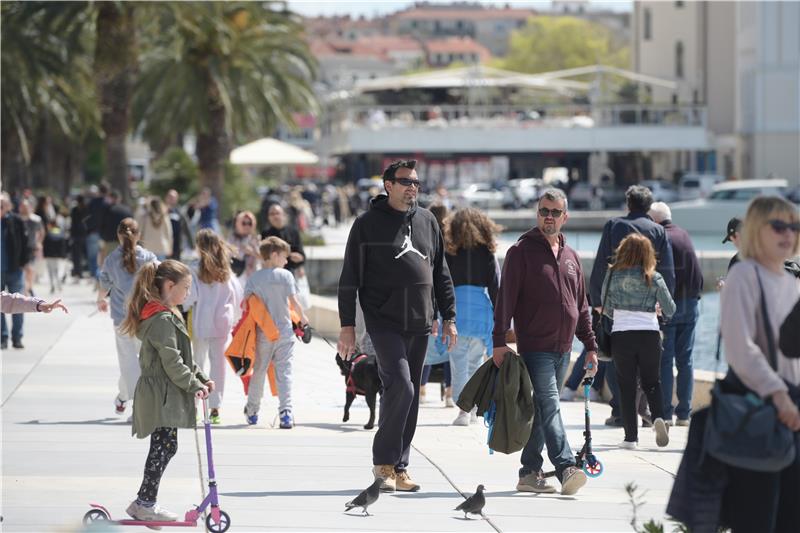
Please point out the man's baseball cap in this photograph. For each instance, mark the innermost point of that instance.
(734, 225)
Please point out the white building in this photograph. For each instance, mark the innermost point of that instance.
(740, 59)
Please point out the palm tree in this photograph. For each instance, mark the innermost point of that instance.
(46, 89)
(224, 71)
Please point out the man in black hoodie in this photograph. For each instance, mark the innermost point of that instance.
(394, 261)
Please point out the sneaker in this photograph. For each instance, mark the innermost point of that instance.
(534, 482)
(448, 401)
(17, 344)
(404, 483)
(567, 395)
(462, 419)
(572, 479)
(4, 344)
(251, 419)
(473, 416)
(614, 421)
(662, 432)
(154, 513)
(119, 406)
(213, 416)
(682, 422)
(287, 420)
(646, 422)
(628, 445)
(387, 474)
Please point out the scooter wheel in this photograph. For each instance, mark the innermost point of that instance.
(220, 527)
(593, 470)
(94, 515)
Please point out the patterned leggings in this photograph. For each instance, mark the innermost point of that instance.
(163, 445)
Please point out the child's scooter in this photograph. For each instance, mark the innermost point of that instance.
(217, 521)
(585, 459)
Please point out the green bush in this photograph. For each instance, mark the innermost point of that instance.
(239, 193)
(175, 170)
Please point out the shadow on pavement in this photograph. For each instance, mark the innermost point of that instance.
(99, 422)
(289, 493)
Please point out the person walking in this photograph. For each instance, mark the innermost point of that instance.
(542, 289)
(14, 255)
(679, 332)
(95, 210)
(277, 290)
(165, 395)
(763, 501)
(280, 227)
(179, 223)
(638, 199)
(35, 228)
(116, 281)
(155, 228)
(77, 236)
(245, 258)
(115, 212)
(470, 244)
(214, 300)
(394, 260)
(633, 295)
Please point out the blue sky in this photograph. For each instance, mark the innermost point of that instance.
(370, 8)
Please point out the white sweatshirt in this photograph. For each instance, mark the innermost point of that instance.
(742, 325)
(216, 307)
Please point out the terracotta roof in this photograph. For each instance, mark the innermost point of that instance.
(457, 45)
(377, 46)
(465, 14)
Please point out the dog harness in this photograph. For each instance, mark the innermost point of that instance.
(351, 385)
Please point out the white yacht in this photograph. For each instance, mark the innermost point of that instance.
(727, 200)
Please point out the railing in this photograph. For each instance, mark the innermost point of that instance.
(496, 116)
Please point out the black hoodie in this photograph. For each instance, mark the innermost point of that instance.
(395, 261)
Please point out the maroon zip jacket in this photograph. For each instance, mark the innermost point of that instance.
(545, 295)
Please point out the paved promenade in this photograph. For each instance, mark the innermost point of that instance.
(62, 447)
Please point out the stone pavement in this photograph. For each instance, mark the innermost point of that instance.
(62, 447)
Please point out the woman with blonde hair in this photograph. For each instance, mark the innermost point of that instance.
(214, 300)
(633, 295)
(156, 228)
(470, 243)
(759, 501)
(245, 242)
(116, 281)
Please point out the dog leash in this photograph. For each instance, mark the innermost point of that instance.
(314, 331)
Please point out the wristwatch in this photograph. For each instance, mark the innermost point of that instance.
(451, 320)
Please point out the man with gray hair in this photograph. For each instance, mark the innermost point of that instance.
(679, 332)
(639, 199)
(542, 289)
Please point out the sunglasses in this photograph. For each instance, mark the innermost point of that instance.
(407, 182)
(245, 223)
(779, 226)
(555, 213)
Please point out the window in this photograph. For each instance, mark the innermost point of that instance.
(679, 60)
(648, 24)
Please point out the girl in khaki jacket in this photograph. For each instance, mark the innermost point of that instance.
(170, 381)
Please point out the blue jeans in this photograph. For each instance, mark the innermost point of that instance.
(547, 371)
(466, 357)
(12, 282)
(576, 376)
(678, 346)
(92, 249)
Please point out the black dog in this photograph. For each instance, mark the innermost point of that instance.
(360, 377)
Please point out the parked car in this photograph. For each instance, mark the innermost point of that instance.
(486, 196)
(693, 186)
(663, 191)
(525, 191)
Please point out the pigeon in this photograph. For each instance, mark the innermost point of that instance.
(474, 504)
(367, 497)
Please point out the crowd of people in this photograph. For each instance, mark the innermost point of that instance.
(429, 289)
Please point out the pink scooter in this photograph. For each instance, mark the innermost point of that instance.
(218, 521)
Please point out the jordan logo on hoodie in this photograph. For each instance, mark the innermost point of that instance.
(408, 246)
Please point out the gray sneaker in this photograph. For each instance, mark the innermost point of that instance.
(534, 482)
(662, 432)
(572, 479)
(150, 514)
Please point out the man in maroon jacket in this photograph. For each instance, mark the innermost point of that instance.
(543, 290)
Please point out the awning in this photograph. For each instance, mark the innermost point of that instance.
(271, 152)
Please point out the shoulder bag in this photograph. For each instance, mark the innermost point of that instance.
(742, 429)
(602, 328)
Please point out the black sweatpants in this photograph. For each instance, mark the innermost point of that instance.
(400, 361)
(637, 353)
(163, 445)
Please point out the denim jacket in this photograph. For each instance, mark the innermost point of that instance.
(629, 291)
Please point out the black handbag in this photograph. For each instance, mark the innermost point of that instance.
(742, 429)
(602, 329)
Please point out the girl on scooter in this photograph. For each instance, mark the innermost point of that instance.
(170, 381)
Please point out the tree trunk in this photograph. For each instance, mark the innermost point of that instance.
(115, 66)
(212, 145)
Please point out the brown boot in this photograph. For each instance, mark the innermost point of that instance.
(403, 482)
(385, 472)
